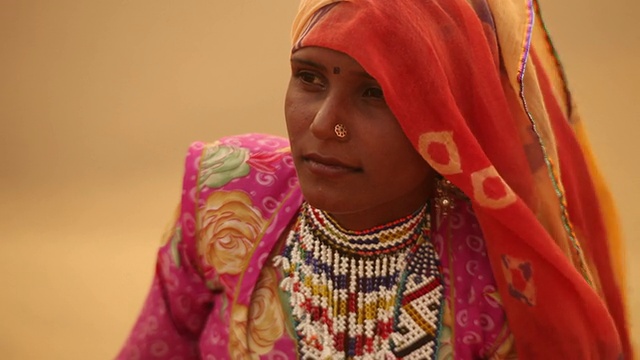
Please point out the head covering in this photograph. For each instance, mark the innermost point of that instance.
(477, 89)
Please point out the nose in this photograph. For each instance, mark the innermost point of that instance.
(332, 111)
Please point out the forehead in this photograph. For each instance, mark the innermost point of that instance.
(327, 60)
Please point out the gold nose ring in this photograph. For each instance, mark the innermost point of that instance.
(340, 130)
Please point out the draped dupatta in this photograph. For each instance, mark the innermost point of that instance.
(478, 91)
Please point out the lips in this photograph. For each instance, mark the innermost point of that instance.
(324, 165)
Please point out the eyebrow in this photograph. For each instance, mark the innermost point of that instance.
(309, 63)
(324, 68)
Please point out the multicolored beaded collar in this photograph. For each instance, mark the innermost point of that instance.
(373, 294)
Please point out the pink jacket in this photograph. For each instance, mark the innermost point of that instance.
(216, 294)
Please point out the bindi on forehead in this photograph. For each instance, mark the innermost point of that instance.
(336, 70)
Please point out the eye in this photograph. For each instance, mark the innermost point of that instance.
(309, 78)
(373, 92)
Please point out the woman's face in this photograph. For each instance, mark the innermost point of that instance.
(371, 176)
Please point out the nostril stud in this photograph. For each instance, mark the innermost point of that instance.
(340, 130)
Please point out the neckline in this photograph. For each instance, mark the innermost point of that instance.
(384, 239)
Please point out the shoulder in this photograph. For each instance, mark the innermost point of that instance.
(246, 159)
(239, 193)
(255, 169)
(236, 184)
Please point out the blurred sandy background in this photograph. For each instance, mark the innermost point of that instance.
(100, 99)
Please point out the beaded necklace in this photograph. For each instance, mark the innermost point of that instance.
(373, 294)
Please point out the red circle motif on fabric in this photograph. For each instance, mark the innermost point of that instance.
(494, 188)
(518, 280)
(439, 153)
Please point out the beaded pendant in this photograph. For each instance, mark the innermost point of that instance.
(373, 294)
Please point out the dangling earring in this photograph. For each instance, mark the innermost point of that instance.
(445, 197)
(340, 130)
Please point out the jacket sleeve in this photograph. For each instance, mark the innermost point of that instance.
(179, 300)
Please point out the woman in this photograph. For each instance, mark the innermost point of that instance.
(438, 200)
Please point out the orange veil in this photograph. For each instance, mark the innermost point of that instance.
(478, 90)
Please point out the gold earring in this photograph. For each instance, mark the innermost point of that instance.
(340, 130)
(446, 196)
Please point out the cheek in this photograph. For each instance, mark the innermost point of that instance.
(296, 115)
(407, 163)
